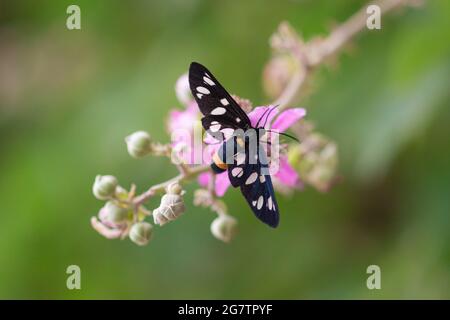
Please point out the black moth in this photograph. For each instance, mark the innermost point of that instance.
(226, 121)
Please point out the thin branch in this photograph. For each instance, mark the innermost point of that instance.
(316, 51)
(188, 174)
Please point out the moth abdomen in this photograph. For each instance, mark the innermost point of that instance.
(216, 169)
(218, 166)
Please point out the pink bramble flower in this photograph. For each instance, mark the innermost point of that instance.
(184, 119)
(181, 123)
(286, 176)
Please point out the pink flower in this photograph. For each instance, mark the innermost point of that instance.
(183, 119)
(286, 175)
(181, 123)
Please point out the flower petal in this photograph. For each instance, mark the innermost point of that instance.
(222, 184)
(286, 174)
(104, 230)
(287, 118)
(203, 179)
(182, 89)
(258, 112)
(183, 119)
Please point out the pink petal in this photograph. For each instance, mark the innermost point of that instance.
(174, 116)
(105, 230)
(258, 112)
(287, 118)
(209, 139)
(222, 184)
(203, 179)
(184, 119)
(103, 217)
(286, 174)
(209, 151)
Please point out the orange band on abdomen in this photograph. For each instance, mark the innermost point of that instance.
(219, 162)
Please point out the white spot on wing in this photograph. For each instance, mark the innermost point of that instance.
(224, 102)
(262, 178)
(260, 202)
(203, 90)
(270, 203)
(254, 203)
(215, 126)
(251, 178)
(237, 172)
(238, 120)
(208, 81)
(218, 111)
(199, 95)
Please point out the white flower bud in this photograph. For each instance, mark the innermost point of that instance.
(115, 213)
(141, 233)
(104, 187)
(183, 90)
(171, 207)
(224, 227)
(203, 197)
(139, 144)
(277, 74)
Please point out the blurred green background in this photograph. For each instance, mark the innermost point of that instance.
(68, 99)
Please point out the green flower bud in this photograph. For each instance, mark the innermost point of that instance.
(174, 188)
(115, 213)
(141, 233)
(224, 228)
(104, 187)
(294, 155)
(139, 144)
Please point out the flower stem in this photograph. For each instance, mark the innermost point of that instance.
(316, 51)
(189, 173)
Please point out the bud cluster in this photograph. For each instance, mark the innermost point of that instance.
(316, 159)
(119, 217)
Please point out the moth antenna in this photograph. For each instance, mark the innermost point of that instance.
(259, 120)
(267, 118)
(285, 134)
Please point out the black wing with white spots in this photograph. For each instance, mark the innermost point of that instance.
(258, 191)
(256, 185)
(220, 110)
(223, 116)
